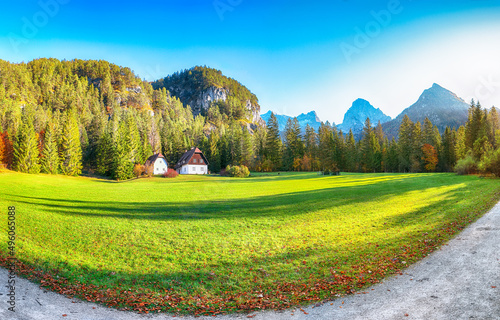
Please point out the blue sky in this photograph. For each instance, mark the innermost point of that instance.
(296, 56)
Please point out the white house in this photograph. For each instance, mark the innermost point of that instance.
(192, 162)
(157, 164)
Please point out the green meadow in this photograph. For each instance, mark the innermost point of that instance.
(209, 244)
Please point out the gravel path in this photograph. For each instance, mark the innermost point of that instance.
(459, 281)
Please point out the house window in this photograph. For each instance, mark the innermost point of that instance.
(201, 169)
(194, 160)
(194, 169)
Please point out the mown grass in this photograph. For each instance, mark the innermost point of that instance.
(207, 244)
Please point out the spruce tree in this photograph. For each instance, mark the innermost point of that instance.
(104, 153)
(50, 157)
(273, 142)
(71, 151)
(26, 153)
(122, 166)
(351, 153)
(405, 144)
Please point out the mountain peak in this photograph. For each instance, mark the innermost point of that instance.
(355, 117)
(441, 106)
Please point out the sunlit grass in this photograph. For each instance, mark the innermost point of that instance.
(224, 238)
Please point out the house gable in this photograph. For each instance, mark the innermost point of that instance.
(192, 162)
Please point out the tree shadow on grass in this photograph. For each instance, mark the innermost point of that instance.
(340, 193)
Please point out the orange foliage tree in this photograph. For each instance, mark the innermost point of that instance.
(430, 157)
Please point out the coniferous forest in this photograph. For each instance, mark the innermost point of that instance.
(69, 117)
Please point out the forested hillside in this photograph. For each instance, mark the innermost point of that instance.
(68, 116)
(208, 91)
(65, 116)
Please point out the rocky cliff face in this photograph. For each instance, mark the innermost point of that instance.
(355, 117)
(201, 87)
(214, 94)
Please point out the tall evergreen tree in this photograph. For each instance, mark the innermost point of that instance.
(326, 147)
(26, 153)
(405, 144)
(460, 143)
(122, 167)
(351, 153)
(273, 142)
(447, 156)
(70, 149)
(50, 157)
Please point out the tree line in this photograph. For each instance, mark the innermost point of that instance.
(472, 148)
(65, 117)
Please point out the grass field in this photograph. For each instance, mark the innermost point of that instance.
(208, 245)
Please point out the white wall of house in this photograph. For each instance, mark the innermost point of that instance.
(193, 169)
(160, 166)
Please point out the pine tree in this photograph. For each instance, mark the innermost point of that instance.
(473, 125)
(351, 153)
(494, 120)
(370, 149)
(310, 142)
(70, 149)
(326, 147)
(273, 143)
(447, 155)
(214, 159)
(339, 150)
(460, 143)
(104, 154)
(26, 153)
(405, 144)
(133, 139)
(50, 157)
(122, 166)
(393, 157)
(145, 150)
(246, 148)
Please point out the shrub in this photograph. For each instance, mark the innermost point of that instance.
(237, 171)
(490, 163)
(138, 170)
(171, 173)
(466, 165)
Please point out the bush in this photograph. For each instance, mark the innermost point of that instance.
(490, 163)
(138, 170)
(237, 171)
(171, 173)
(466, 165)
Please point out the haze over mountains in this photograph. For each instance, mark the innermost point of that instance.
(442, 107)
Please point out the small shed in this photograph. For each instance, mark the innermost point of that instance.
(192, 162)
(156, 164)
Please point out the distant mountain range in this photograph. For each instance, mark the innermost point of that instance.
(441, 106)
(310, 118)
